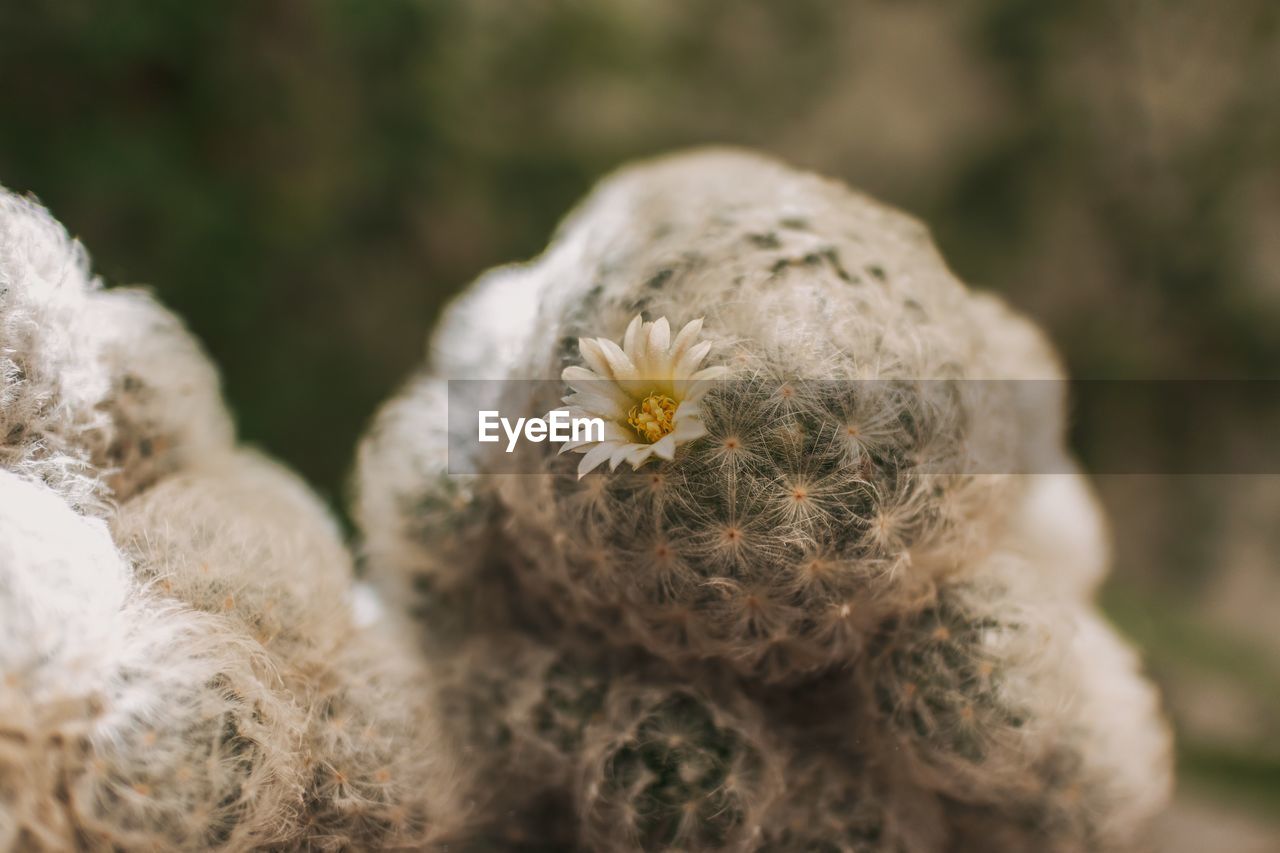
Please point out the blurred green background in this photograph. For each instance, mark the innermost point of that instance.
(307, 182)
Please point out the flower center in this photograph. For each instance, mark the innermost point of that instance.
(654, 417)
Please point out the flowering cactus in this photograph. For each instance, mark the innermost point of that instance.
(812, 592)
(182, 663)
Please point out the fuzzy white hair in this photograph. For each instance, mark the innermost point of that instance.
(180, 662)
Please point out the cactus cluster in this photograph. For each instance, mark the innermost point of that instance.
(183, 664)
(850, 612)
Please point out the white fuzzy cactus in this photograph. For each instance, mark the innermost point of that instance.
(128, 721)
(182, 665)
(104, 391)
(50, 356)
(882, 550)
(62, 589)
(239, 536)
(970, 686)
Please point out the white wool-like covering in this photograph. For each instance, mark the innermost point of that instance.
(241, 537)
(104, 390)
(50, 354)
(181, 667)
(64, 583)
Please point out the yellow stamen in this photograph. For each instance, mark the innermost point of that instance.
(654, 418)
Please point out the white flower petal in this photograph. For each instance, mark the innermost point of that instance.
(659, 339)
(665, 447)
(593, 355)
(687, 429)
(619, 377)
(690, 360)
(623, 452)
(638, 389)
(711, 373)
(691, 390)
(685, 339)
(574, 373)
(639, 349)
(696, 386)
(620, 365)
(614, 432)
(619, 437)
(640, 455)
(632, 335)
(594, 457)
(613, 405)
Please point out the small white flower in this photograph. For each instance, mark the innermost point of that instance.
(646, 392)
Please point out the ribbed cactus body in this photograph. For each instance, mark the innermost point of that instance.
(239, 537)
(970, 685)
(429, 536)
(669, 769)
(837, 802)
(164, 407)
(847, 463)
(846, 610)
(194, 748)
(1110, 767)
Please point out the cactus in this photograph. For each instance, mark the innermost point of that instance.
(433, 528)
(842, 803)
(62, 591)
(50, 355)
(1108, 769)
(104, 390)
(519, 711)
(239, 537)
(794, 598)
(823, 454)
(378, 773)
(182, 662)
(164, 405)
(970, 686)
(669, 769)
(1027, 715)
(193, 748)
(824, 582)
(650, 762)
(129, 723)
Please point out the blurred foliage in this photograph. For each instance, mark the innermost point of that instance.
(307, 182)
